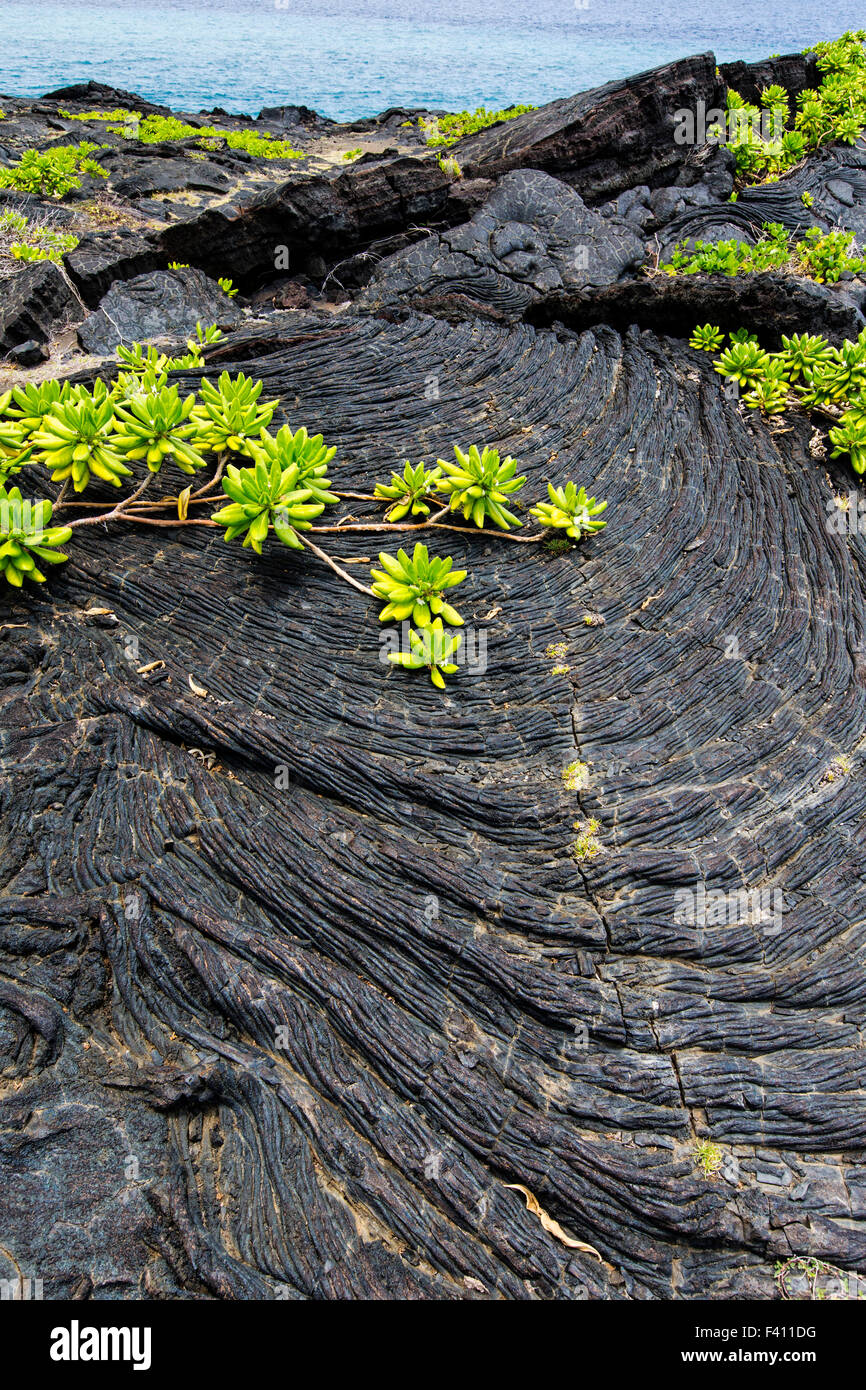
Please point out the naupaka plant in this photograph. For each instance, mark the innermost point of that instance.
(277, 489)
(480, 484)
(263, 498)
(807, 373)
(570, 510)
(414, 588)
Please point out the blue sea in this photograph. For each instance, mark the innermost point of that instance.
(354, 59)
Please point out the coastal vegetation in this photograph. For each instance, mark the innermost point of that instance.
(82, 435)
(448, 129)
(819, 256)
(54, 172)
(808, 373)
(834, 111)
(23, 240)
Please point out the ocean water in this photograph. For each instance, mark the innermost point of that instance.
(354, 59)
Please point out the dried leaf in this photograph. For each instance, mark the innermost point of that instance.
(151, 666)
(551, 1226)
(197, 689)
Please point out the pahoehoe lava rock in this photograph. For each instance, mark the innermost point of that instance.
(290, 1035)
(605, 140)
(162, 304)
(769, 305)
(533, 235)
(34, 304)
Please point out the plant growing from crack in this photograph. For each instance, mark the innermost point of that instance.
(587, 845)
(708, 1157)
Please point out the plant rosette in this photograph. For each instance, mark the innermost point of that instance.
(76, 440)
(480, 484)
(262, 498)
(570, 509)
(409, 491)
(414, 588)
(433, 647)
(25, 538)
(309, 454)
(156, 426)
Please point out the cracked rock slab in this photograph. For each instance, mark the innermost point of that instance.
(532, 236)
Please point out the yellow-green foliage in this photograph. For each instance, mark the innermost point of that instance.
(709, 1158)
(820, 256)
(29, 241)
(446, 130)
(153, 130)
(835, 111)
(575, 777)
(52, 172)
(587, 845)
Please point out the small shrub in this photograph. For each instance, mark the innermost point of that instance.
(446, 130)
(479, 484)
(54, 172)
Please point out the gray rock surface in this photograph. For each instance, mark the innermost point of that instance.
(162, 304)
(35, 302)
(532, 236)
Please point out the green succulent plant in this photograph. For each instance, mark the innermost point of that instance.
(769, 396)
(707, 338)
(414, 588)
(774, 96)
(131, 384)
(263, 498)
(13, 448)
(849, 437)
(445, 130)
(154, 129)
(139, 358)
(76, 440)
(407, 492)
(26, 538)
(803, 352)
(310, 454)
(570, 509)
(745, 362)
(432, 648)
(479, 484)
(31, 403)
(53, 172)
(156, 426)
(231, 416)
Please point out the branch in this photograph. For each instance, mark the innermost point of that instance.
(221, 463)
(362, 588)
(116, 513)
